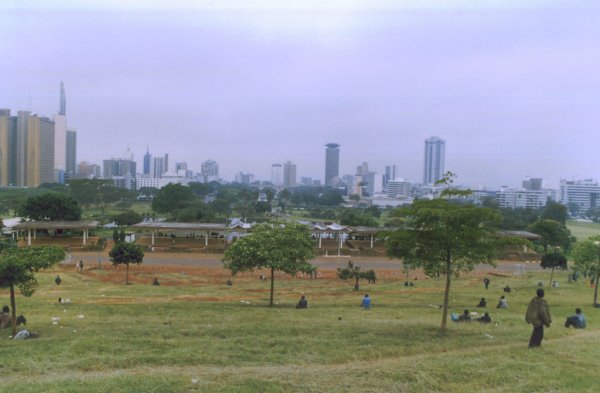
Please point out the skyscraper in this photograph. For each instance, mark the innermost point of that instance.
(332, 164)
(62, 111)
(277, 174)
(390, 174)
(8, 148)
(147, 158)
(289, 175)
(210, 170)
(71, 156)
(435, 150)
(34, 153)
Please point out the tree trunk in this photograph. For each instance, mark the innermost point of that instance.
(13, 309)
(596, 290)
(356, 285)
(446, 297)
(551, 275)
(127, 274)
(272, 287)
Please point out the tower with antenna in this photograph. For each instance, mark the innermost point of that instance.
(63, 100)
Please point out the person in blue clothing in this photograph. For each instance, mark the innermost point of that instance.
(366, 302)
(577, 320)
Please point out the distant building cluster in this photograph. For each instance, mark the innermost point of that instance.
(35, 149)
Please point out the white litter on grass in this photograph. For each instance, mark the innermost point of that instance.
(195, 380)
(80, 316)
(55, 323)
(245, 302)
(55, 319)
(489, 336)
(74, 331)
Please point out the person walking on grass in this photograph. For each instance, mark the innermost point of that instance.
(538, 315)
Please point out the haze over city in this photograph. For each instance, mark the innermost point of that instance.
(511, 88)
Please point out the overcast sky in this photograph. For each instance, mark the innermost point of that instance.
(512, 86)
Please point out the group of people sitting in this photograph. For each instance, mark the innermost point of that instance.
(303, 303)
(5, 318)
(466, 317)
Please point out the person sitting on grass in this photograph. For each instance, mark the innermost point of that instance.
(366, 302)
(502, 303)
(485, 318)
(577, 320)
(482, 303)
(465, 317)
(302, 303)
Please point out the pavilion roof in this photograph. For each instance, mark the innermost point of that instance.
(25, 225)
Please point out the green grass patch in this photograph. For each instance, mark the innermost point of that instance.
(193, 333)
(583, 230)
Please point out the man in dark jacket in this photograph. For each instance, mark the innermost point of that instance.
(538, 314)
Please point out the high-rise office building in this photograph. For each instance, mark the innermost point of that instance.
(159, 166)
(332, 164)
(277, 174)
(26, 149)
(87, 170)
(209, 170)
(583, 194)
(390, 174)
(289, 175)
(71, 154)
(532, 184)
(8, 148)
(435, 150)
(60, 142)
(147, 158)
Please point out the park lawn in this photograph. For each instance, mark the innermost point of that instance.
(583, 230)
(193, 333)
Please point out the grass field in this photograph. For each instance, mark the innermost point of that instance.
(194, 333)
(583, 230)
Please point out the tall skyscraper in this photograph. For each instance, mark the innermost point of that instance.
(71, 155)
(390, 174)
(62, 111)
(8, 148)
(26, 149)
(277, 174)
(147, 158)
(34, 150)
(159, 166)
(435, 151)
(289, 175)
(332, 164)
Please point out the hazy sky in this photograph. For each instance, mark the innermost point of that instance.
(512, 86)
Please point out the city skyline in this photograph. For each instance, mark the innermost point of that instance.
(509, 87)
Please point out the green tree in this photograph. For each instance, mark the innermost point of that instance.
(17, 268)
(124, 254)
(128, 218)
(285, 247)
(553, 234)
(51, 207)
(552, 261)
(555, 211)
(444, 238)
(171, 198)
(586, 255)
(355, 273)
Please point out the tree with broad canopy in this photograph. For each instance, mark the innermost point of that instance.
(125, 253)
(552, 261)
(444, 238)
(17, 269)
(286, 247)
(586, 255)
